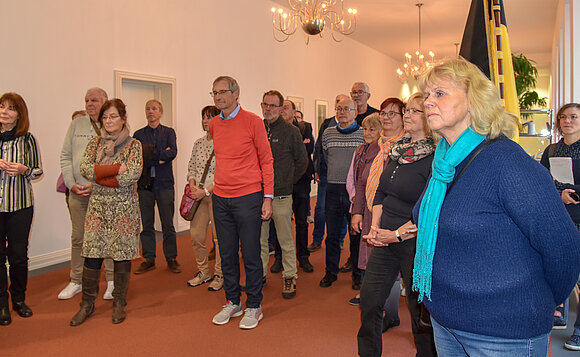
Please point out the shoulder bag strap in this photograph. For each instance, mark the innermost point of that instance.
(470, 161)
(204, 175)
(97, 130)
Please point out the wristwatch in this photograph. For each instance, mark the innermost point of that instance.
(206, 192)
(398, 235)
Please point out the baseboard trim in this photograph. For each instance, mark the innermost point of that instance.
(49, 259)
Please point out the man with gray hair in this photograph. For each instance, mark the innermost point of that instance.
(338, 146)
(156, 186)
(80, 132)
(242, 198)
(360, 93)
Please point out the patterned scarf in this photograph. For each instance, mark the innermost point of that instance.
(443, 172)
(405, 152)
(385, 144)
(106, 149)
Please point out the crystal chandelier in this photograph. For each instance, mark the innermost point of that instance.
(415, 65)
(315, 17)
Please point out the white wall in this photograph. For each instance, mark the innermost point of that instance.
(53, 50)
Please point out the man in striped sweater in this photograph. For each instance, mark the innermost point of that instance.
(338, 146)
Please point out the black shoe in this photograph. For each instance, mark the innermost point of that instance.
(21, 309)
(328, 279)
(347, 267)
(356, 282)
(277, 266)
(305, 265)
(388, 323)
(314, 247)
(5, 318)
(264, 283)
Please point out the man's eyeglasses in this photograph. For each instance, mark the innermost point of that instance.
(411, 111)
(270, 106)
(219, 92)
(344, 109)
(358, 92)
(564, 116)
(390, 114)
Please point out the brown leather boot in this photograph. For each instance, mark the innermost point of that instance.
(90, 282)
(121, 278)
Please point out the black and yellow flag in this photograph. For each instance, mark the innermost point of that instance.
(486, 44)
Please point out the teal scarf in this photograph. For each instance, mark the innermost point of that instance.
(443, 172)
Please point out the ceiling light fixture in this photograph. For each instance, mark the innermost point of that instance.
(415, 65)
(314, 16)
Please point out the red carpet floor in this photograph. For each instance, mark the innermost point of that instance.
(168, 318)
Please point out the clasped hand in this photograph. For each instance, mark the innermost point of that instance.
(12, 168)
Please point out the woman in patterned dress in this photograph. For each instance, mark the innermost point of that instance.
(113, 163)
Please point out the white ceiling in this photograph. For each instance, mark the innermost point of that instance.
(391, 26)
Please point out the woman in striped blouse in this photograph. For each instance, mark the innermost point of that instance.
(19, 164)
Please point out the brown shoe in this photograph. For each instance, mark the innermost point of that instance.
(174, 266)
(289, 289)
(145, 267)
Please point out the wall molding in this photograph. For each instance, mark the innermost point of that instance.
(46, 260)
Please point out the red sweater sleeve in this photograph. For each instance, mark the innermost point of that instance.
(106, 175)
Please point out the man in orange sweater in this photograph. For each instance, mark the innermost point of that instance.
(242, 198)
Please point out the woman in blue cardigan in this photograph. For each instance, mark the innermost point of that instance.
(496, 249)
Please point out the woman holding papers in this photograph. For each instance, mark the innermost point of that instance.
(565, 156)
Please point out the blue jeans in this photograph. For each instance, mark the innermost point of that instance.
(451, 343)
(320, 218)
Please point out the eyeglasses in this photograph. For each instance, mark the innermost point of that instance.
(344, 109)
(358, 92)
(411, 111)
(390, 114)
(564, 116)
(112, 117)
(220, 92)
(270, 106)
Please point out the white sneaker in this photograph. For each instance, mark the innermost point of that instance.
(229, 310)
(251, 318)
(109, 292)
(71, 290)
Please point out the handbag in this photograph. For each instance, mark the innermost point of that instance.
(189, 205)
(60, 185)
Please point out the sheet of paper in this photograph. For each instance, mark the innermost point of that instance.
(561, 169)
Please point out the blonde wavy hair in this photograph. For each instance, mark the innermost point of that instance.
(488, 116)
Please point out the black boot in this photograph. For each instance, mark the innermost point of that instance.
(277, 266)
(90, 283)
(5, 318)
(121, 278)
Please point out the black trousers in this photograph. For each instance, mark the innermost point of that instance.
(238, 222)
(382, 269)
(300, 205)
(14, 234)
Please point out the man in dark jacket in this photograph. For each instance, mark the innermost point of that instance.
(290, 161)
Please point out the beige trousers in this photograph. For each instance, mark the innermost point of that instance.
(197, 231)
(77, 207)
(282, 216)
